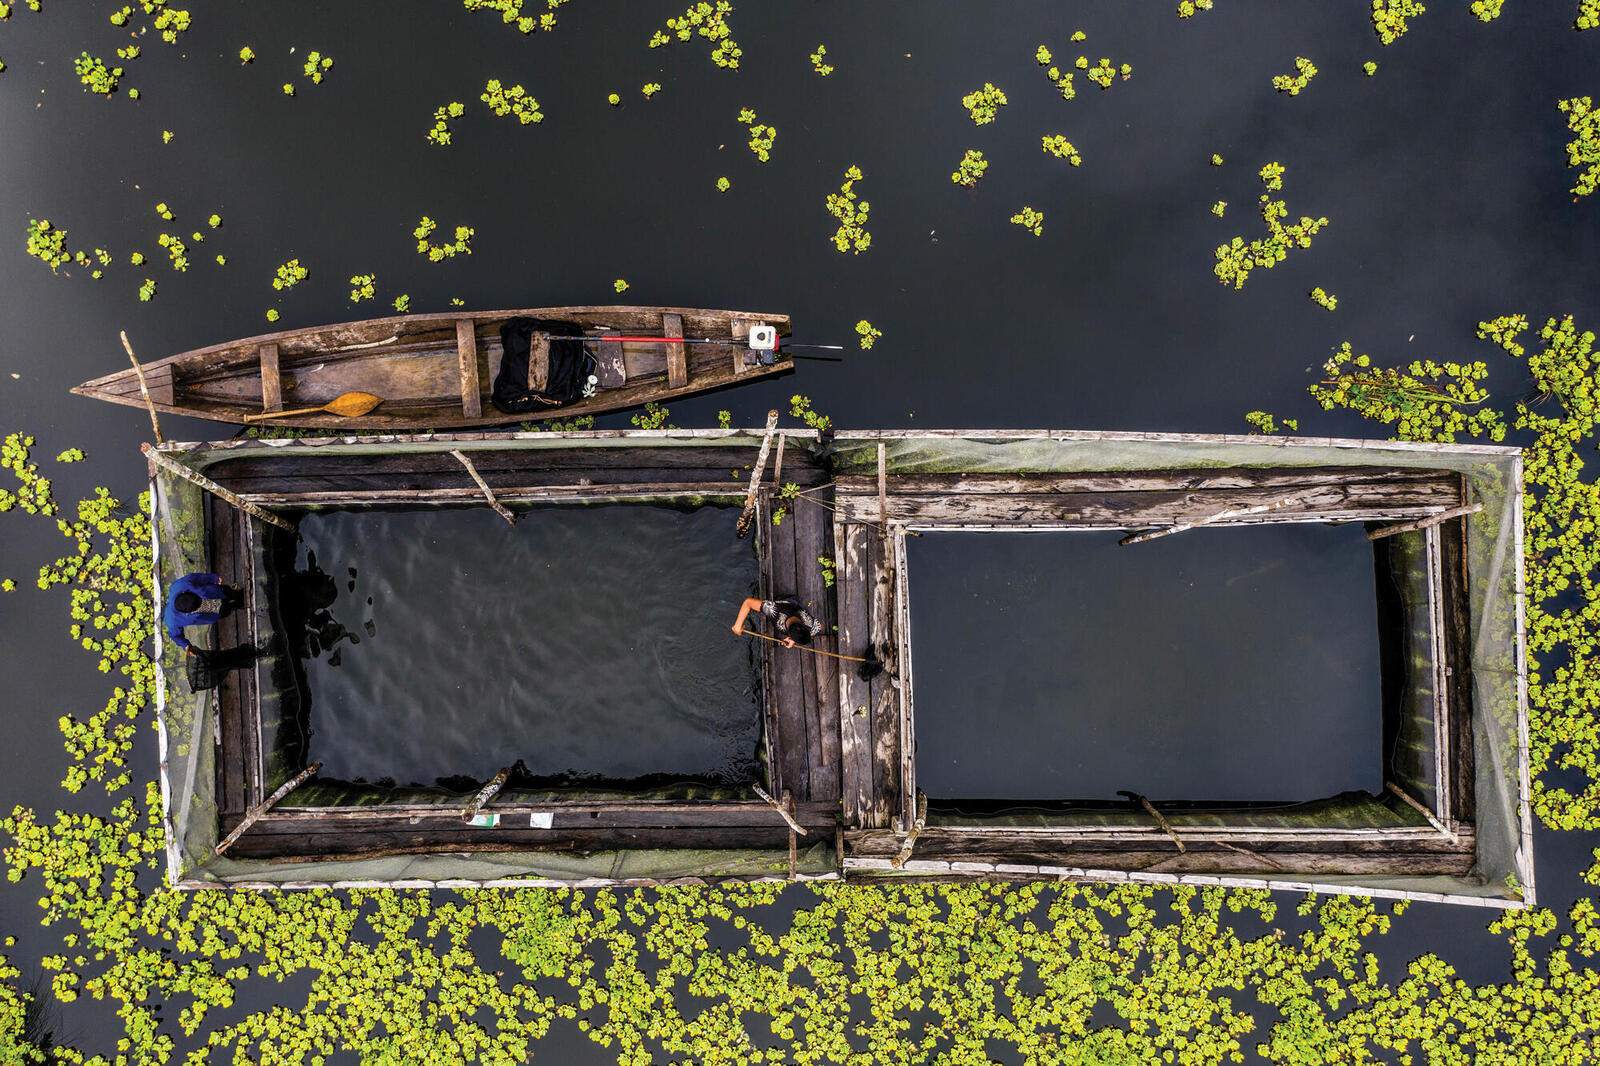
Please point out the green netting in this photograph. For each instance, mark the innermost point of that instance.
(1412, 753)
(1348, 810)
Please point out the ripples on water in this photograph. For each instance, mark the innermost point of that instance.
(586, 640)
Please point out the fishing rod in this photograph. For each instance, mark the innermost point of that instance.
(870, 666)
(762, 338)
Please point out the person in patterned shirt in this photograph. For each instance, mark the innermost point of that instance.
(793, 623)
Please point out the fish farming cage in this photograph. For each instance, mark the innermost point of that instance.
(229, 753)
(1452, 821)
(838, 796)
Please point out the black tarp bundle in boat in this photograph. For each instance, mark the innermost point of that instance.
(570, 367)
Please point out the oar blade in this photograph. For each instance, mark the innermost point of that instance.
(353, 404)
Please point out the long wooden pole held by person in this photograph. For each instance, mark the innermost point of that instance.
(747, 515)
(172, 466)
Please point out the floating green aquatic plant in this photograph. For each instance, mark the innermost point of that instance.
(95, 75)
(440, 134)
(614, 100)
(511, 13)
(1236, 259)
(1588, 15)
(852, 235)
(1391, 18)
(317, 66)
(620, 285)
(402, 303)
(723, 184)
(981, 104)
(272, 314)
(1425, 401)
(512, 101)
(1058, 146)
(1486, 10)
(707, 20)
(362, 287)
(869, 336)
(1293, 83)
(1584, 148)
(440, 252)
(1216, 160)
(1264, 423)
(1219, 207)
(650, 89)
(1029, 219)
(761, 136)
(970, 169)
(47, 243)
(178, 253)
(1323, 299)
(1187, 8)
(246, 55)
(654, 416)
(819, 61)
(1370, 68)
(289, 275)
(288, 89)
(800, 407)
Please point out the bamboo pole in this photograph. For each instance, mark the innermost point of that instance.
(807, 647)
(794, 846)
(1432, 818)
(172, 466)
(1150, 809)
(775, 805)
(917, 827)
(265, 805)
(486, 793)
(144, 389)
(499, 508)
(747, 515)
(1425, 523)
(1274, 863)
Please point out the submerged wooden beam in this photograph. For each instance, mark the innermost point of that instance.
(917, 827)
(172, 466)
(499, 508)
(755, 475)
(1425, 523)
(265, 805)
(1219, 516)
(486, 793)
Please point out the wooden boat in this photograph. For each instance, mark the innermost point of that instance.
(436, 371)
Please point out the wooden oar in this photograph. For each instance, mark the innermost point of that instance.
(349, 405)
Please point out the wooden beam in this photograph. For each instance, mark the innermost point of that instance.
(1150, 809)
(883, 487)
(271, 379)
(265, 805)
(755, 474)
(677, 354)
(144, 388)
(786, 809)
(499, 508)
(1425, 523)
(1420, 809)
(177, 469)
(467, 353)
(486, 793)
(1219, 516)
(917, 827)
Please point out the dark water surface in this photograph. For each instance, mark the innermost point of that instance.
(583, 641)
(1444, 178)
(1059, 666)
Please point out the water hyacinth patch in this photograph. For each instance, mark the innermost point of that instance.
(1219, 207)
(178, 252)
(272, 314)
(317, 66)
(402, 303)
(1030, 220)
(1103, 72)
(1425, 401)
(867, 333)
(362, 287)
(1216, 160)
(1236, 259)
(1263, 422)
(47, 243)
(147, 291)
(440, 133)
(1370, 68)
(761, 136)
(620, 285)
(1061, 148)
(1187, 8)
(1584, 148)
(818, 61)
(95, 75)
(1391, 18)
(1323, 299)
(511, 13)
(246, 55)
(439, 252)
(289, 275)
(970, 169)
(512, 101)
(288, 89)
(710, 21)
(1292, 84)
(723, 184)
(852, 235)
(981, 104)
(614, 100)
(650, 89)
(1486, 10)
(1588, 15)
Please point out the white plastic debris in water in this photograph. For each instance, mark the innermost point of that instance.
(541, 819)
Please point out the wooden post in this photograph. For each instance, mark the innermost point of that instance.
(488, 493)
(777, 463)
(794, 847)
(746, 517)
(1425, 523)
(917, 827)
(265, 805)
(486, 793)
(780, 808)
(144, 389)
(176, 468)
(883, 488)
(1149, 808)
(1236, 512)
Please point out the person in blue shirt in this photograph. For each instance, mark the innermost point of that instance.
(197, 600)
